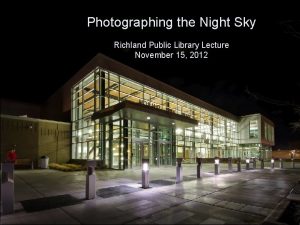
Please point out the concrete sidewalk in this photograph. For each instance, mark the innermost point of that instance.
(231, 198)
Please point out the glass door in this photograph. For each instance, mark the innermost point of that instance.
(140, 151)
(165, 156)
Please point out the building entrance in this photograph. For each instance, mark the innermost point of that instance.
(165, 154)
(140, 150)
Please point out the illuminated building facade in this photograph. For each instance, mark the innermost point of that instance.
(120, 116)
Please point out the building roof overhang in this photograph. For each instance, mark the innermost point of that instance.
(140, 112)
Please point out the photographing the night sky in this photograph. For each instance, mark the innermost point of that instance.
(257, 74)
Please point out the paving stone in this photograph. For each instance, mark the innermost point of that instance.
(256, 210)
(127, 206)
(207, 200)
(212, 221)
(175, 218)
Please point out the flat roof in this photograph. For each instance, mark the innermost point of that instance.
(29, 119)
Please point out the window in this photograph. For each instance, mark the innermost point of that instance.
(253, 129)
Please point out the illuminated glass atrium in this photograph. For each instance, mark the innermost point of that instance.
(121, 121)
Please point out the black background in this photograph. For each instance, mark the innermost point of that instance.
(45, 45)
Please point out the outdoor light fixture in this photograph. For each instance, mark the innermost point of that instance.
(148, 118)
(145, 167)
(272, 160)
(145, 173)
(217, 166)
(173, 123)
(247, 164)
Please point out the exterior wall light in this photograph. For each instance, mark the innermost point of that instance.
(272, 163)
(148, 118)
(217, 161)
(247, 160)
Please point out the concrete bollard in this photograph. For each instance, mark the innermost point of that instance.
(254, 163)
(179, 176)
(239, 169)
(281, 163)
(262, 164)
(145, 173)
(272, 163)
(217, 166)
(198, 167)
(90, 187)
(7, 188)
(247, 164)
(230, 164)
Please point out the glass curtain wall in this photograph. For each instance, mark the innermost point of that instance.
(121, 143)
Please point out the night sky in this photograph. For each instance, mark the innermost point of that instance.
(260, 71)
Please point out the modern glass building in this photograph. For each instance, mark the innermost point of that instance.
(120, 116)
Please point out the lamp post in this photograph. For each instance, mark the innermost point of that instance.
(239, 164)
(217, 166)
(272, 163)
(145, 173)
(198, 167)
(179, 176)
(7, 188)
(262, 164)
(90, 186)
(247, 164)
(254, 163)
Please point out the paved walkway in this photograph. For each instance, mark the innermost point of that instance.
(228, 198)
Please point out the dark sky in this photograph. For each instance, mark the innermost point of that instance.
(45, 47)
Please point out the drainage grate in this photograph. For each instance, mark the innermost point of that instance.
(52, 202)
(115, 191)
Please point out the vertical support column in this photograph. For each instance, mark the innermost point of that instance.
(254, 163)
(230, 164)
(179, 176)
(247, 164)
(125, 144)
(217, 166)
(90, 188)
(272, 163)
(239, 164)
(199, 161)
(110, 134)
(145, 173)
(262, 164)
(7, 188)
(156, 147)
(281, 163)
(173, 141)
